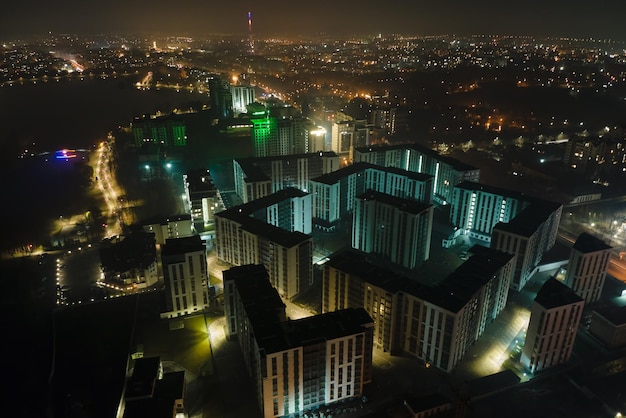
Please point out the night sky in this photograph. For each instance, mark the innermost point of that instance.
(579, 18)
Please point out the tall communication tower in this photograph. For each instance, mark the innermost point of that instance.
(250, 38)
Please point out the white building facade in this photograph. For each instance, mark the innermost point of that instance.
(554, 319)
(396, 229)
(185, 274)
(588, 263)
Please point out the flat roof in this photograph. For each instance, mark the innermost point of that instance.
(616, 315)
(164, 220)
(426, 402)
(241, 215)
(454, 163)
(254, 205)
(405, 205)
(337, 175)
(452, 293)
(266, 312)
(176, 246)
(587, 243)
(553, 293)
(316, 329)
(135, 250)
(263, 305)
(528, 220)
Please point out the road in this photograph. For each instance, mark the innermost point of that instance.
(617, 266)
(118, 211)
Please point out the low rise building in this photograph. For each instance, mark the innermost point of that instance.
(163, 228)
(608, 325)
(129, 262)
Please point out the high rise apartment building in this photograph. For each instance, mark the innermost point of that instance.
(436, 323)
(268, 232)
(242, 96)
(185, 274)
(165, 131)
(279, 130)
(296, 365)
(476, 208)
(447, 172)
(220, 96)
(258, 177)
(334, 193)
(511, 222)
(202, 197)
(587, 266)
(396, 229)
(554, 320)
(528, 236)
(346, 135)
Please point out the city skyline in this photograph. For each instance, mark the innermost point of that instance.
(283, 18)
(313, 225)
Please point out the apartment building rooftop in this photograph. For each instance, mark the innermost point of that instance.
(409, 206)
(553, 293)
(454, 163)
(530, 218)
(452, 293)
(587, 243)
(616, 315)
(269, 200)
(262, 302)
(174, 246)
(135, 250)
(335, 176)
(164, 220)
(314, 329)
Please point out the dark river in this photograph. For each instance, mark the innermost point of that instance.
(45, 117)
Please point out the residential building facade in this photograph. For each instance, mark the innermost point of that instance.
(241, 239)
(437, 323)
(554, 319)
(185, 275)
(258, 177)
(201, 198)
(163, 228)
(398, 230)
(447, 172)
(334, 193)
(297, 365)
(588, 263)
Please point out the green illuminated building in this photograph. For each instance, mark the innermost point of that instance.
(278, 130)
(164, 131)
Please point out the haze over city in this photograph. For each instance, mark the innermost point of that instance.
(600, 20)
(348, 209)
